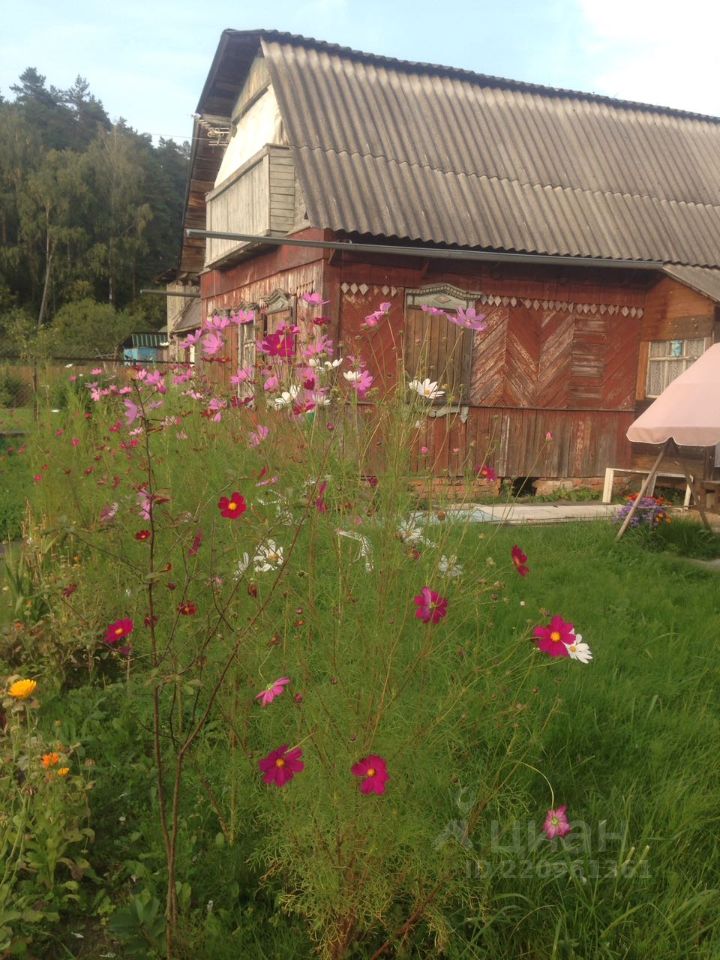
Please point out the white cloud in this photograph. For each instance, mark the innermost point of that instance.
(656, 51)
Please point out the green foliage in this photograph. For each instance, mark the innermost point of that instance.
(88, 208)
(85, 328)
(43, 836)
(480, 733)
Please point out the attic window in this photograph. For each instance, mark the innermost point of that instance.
(667, 359)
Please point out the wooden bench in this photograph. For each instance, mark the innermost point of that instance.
(610, 477)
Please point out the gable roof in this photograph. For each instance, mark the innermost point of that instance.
(389, 148)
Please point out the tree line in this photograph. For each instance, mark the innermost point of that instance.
(90, 212)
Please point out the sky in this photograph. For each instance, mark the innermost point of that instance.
(147, 60)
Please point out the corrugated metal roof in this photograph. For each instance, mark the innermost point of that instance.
(702, 279)
(404, 151)
(434, 154)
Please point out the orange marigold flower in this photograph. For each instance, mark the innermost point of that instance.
(22, 689)
(63, 771)
(50, 760)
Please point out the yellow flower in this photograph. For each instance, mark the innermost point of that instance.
(22, 689)
(63, 771)
(50, 760)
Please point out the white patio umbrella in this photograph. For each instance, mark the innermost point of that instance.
(686, 414)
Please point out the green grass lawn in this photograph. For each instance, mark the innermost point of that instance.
(633, 746)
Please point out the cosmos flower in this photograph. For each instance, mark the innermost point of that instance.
(556, 823)
(468, 319)
(233, 507)
(281, 765)
(257, 436)
(431, 607)
(373, 770)
(428, 389)
(313, 299)
(553, 638)
(269, 556)
(486, 473)
(577, 650)
(119, 630)
(520, 561)
(187, 608)
(272, 691)
(449, 566)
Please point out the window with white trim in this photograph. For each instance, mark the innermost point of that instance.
(667, 359)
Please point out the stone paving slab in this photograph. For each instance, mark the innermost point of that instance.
(515, 513)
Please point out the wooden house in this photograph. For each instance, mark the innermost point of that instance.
(586, 229)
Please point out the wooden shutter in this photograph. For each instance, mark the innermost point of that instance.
(435, 347)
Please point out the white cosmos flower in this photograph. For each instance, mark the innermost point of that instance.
(577, 650)
(365, 548)
(426, 388)
(332, 364)
(352, 376)
(409, 533)
(242, 565)
(286, 398)
(269, 556)
(449, 566)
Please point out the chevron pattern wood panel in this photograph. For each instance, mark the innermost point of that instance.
(488, 374)
(622, 359)
(556, 336)
(522, 357)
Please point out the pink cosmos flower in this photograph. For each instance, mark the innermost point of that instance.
(242, 376)
(191, 339)
(373, 770)
(486, 473)
(431, 607)
(96, 371)
(212, 343)
(433, 311)
(280, 766)
(278, 345)
(156, 379)
(232, 507)
(320, 504)
(272, 691)
(556, 823)
(548, 436)
(520, 561)
(468, 319)
(313, 299)
(363, 384)
(196, 544)
(242, 316)
(131, 413)
(258, 435)
(109, 512)
(217, 322)
(552, 638)
(118, 630)
(75, 442)
(272, 383)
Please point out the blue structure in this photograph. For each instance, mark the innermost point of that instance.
(144, 347)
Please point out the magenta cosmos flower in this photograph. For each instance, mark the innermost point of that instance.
(280, 766)
(556, 823)
(116, 631)
(431, 607)
(233, 506)
(552, 638)
(273, 690)
(373, 770)
(520, 561)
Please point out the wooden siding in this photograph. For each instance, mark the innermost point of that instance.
(259, 198)
(564, 365)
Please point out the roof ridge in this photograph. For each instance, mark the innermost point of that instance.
(413, 66)
(513, 180)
